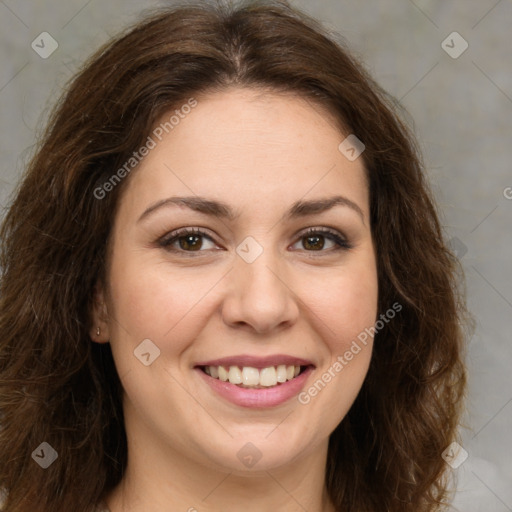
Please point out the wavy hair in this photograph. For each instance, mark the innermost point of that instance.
(57, 386)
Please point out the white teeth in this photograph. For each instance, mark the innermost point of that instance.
(235, 375)
(223, 374)
(281, 373)
(268, 376)
(252, 377)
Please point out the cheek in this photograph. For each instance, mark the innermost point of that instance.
(344, 309)
(151, 301)
(163, 303)
(345, 304)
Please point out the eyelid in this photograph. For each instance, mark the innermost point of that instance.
(337, 237)
(170, 237)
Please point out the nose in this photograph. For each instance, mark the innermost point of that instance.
(260, 295)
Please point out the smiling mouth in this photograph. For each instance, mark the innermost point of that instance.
(250, 377)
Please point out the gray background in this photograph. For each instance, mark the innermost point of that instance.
(462, 112)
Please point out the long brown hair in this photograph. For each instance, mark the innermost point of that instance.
(56, 386)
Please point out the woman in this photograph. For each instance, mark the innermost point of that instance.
(225, 284)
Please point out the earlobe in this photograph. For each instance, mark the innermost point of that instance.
(99, 329)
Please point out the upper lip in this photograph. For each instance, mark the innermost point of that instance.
(256, 362)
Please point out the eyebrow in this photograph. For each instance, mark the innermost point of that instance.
(224, 211)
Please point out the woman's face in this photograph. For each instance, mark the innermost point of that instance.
(250, 298)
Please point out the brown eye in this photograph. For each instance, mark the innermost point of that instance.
(185, 240)
(314, 240)
(192, 242)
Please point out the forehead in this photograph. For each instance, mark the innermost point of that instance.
(250, 144)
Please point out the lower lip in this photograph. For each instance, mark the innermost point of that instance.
(257, 398)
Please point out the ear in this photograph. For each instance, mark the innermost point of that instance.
(99, 316)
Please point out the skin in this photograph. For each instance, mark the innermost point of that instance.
(259, 153)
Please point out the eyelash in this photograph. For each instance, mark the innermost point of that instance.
(167, 240)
